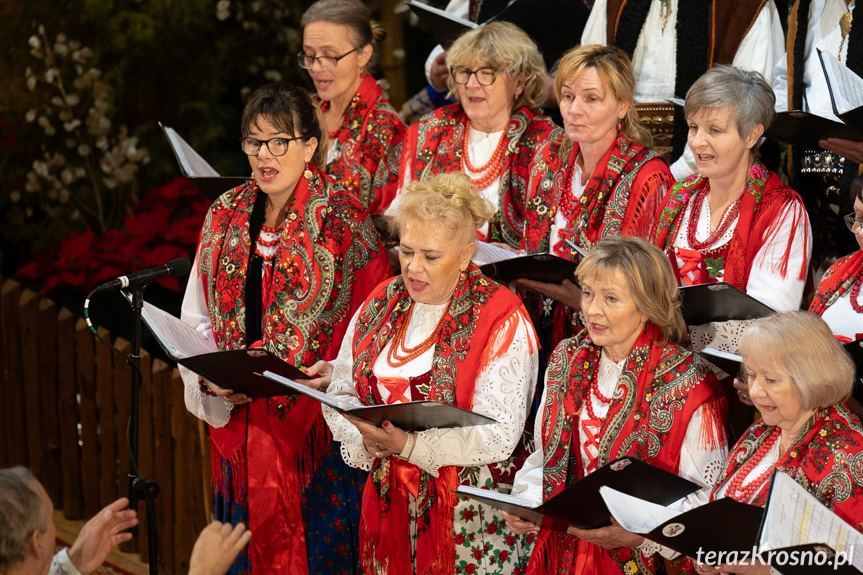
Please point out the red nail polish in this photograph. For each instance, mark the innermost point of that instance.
(386, 424)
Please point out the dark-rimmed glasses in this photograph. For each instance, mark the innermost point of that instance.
(276, 146)
(853, 223)
(485, 75)
(326, 62)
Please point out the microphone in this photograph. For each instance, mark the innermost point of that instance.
(176, 267)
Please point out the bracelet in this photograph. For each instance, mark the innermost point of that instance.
(205, 389)
(408, 448)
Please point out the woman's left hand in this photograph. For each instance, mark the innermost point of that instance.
(612, 537)
(324, 371)
(567, 293)
(381, 441)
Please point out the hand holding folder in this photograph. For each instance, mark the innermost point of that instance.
(579, 505)
(727, 531)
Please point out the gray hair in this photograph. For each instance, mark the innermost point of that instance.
(22, 513)
(747, 93)
(820, 370)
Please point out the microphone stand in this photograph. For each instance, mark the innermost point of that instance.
(147, 488)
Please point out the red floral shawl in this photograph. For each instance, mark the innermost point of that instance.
(479, 306)
(327, 261)
(370, 127)
(433, 145)
(764, 200)
(826, 460)
(836, 281)
(657, 393)
(621, 198)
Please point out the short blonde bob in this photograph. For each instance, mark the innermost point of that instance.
(446, 199)
(506, 46)
(820, 369)
(615, 72)
(649, 277)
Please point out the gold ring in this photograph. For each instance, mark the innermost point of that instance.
(378, 454)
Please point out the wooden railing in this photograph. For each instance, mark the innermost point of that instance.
(64, 413)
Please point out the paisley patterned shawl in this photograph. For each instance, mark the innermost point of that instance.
(370, 127)
(764, 200)
(433, 145)
(327, 260)
(621, 198)
(660, 388)
(479, 306)
(837, 280)
(826, 460)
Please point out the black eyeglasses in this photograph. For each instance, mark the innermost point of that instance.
(276, 146)
(852, 222)
(485, 76)
(327, 62)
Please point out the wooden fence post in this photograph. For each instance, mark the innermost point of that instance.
(184, 473)
(145, 450)
(85, 376)
(70, 450)
(107, 436)
(49, 417)
(164, 463)
(14, 424)
(27, 312)
(122, 385)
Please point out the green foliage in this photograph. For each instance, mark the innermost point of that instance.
(186, 63)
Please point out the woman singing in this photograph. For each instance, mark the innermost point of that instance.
(440, 331)
(283, 263)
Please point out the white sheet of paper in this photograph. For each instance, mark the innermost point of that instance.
(845, 85)
(178, 338)
(192, 164)
(634, 514)
(486, 253)
(795, 517)
(497, 496)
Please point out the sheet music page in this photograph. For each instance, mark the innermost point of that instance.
(192, 164)
(795, 517)
(315, 394)
(497, 496)
(444, 14)
(723, 354)
(846, 86)
(487, 253)
(178, 338)
(634, 514)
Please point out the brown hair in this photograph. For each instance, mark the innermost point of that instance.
(857, 188)
(353, 14)
(615, 71)
(447, 199)
(506, 46)
(649, 276)
(290, 110)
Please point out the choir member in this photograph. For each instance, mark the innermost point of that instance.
(283, 263)
(439, 331)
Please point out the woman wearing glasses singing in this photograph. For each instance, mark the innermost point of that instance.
(338, 51)
(283, 263)
(493, 133)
